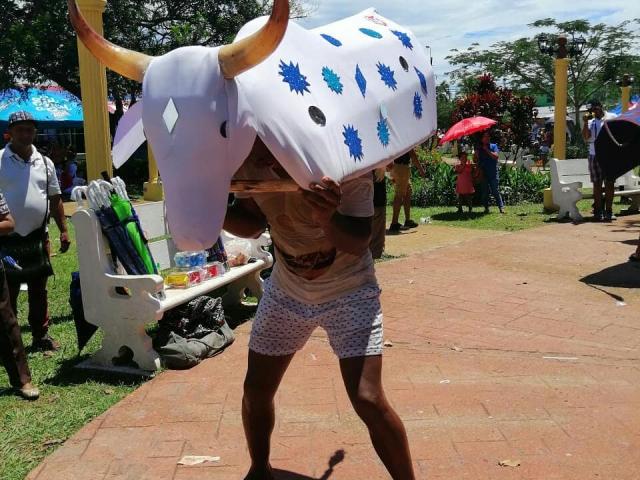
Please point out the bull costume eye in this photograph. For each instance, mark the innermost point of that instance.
(404, 64)
(223, 129)
(317, 116)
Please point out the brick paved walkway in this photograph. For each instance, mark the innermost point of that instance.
(499, 352)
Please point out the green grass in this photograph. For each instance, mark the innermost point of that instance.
(29, 431)
(517, 217)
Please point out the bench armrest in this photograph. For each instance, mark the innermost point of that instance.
(570, 186)
(137, 283)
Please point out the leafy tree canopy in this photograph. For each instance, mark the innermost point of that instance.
(609, 52)
(39, 43)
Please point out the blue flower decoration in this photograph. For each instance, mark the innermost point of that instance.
(332, 79)
(383, 132)
(423, 81)
(361, 81)
(352, 140)
(417, 106)
(387, 76)
(404, 38)
(291, 75)
(333, 41)
(371, 33)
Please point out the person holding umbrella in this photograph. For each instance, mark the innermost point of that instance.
(486, 157)
(592, 124)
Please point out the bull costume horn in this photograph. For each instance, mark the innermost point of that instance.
(234, 59)
(127, 63)
(249, 52)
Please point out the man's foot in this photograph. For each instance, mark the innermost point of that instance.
(609, 217)
(28, 391)
(260, 474)
(486, 209)
(410, 224)
(45, 344)
(502, 210)
(597, 217)
(395, 228)
(634, 257)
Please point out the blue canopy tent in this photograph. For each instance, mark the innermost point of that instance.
(51, 107)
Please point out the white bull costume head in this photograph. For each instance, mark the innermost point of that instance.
(337, 101)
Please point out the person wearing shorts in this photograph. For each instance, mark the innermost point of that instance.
(324, 277)
(401, 176)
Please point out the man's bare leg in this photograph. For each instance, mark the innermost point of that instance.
(597, 200)
(362, 378)
(264, 374)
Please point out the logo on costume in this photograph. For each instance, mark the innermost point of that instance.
(376, 20)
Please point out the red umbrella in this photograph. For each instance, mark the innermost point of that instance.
(467, 126)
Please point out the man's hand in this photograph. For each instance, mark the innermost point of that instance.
(324, 199)
(65, 243)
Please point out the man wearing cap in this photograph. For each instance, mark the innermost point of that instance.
(28, 181)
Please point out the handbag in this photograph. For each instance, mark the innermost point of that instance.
(30, 252)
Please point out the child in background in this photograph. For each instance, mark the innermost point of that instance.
(464, 183)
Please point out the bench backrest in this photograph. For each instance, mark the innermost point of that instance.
(577, 170)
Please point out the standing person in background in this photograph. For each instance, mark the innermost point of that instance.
(486, 157)
(464, 182)
(401, 175)
(376, 245)
(28, 181)
(12, 351)
(590, 129)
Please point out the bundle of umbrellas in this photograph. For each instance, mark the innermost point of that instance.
(120, 225)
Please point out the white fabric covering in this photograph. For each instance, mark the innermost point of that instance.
(197, 163)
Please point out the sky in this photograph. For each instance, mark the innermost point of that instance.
(448, 24)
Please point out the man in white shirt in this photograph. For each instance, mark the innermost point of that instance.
(590, 129)
(28, 181)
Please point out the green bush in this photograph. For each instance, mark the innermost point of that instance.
(578, 151)
(517, 185)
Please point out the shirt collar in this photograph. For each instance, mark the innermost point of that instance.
(35, 155)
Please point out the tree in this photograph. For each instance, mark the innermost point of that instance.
(513, 112)
(40, 44)
(610, 51)
(445, 104)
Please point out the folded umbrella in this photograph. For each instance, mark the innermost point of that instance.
(618, 145)
(467, 126)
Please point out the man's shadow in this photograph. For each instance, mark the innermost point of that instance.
(335, 459)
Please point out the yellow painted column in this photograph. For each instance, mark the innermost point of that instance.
(560, 114)
(93, 84)
(152, 190)
(625, 90)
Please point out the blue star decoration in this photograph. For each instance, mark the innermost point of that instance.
(417, 106)
(332, 79)
(333, 41)
(371, 33)
(423, 81)
(383, 132)
(352, 140)
(404, 38)
(387, 76)
(291, 75)
(361, 81)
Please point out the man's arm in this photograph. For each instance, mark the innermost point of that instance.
(245, 219)
(57, 211)
(7, 224)
(346, 233)
(416, 163)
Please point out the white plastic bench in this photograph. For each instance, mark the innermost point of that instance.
(123, 317)
(569, 176)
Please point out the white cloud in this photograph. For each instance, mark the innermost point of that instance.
(458, 23)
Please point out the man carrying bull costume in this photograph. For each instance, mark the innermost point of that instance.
(323, 277)
(324, 108)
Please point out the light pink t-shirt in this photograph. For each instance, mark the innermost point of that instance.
(308, 268)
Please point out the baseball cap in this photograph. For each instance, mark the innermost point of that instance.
(20, 117)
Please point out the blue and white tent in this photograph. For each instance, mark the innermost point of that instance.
(51, 107)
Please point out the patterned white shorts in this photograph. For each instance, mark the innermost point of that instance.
(353, 323)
